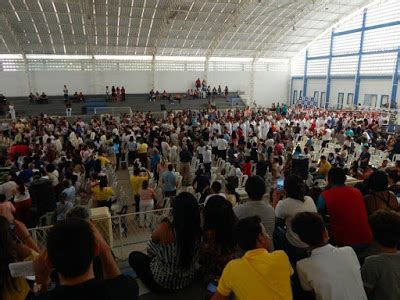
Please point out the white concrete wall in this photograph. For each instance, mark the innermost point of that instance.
(297, 85)
(271, 87)
(378, 87)
(176, 81)
(315, 85)
(341, 86)
(13, 83)
(268, 87)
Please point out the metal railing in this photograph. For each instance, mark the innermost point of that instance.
(130, 231)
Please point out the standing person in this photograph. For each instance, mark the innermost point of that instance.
(12, 112)
(185, 158)
(113, 94)
(137, 181)
(326, 136)
(226, 91)
(331, 273)
(102, 193)
(147, 199)
(107, 93)
(173, 249)
(207, 160)
(347, 213)
(131, 145)
(65, 91)
(169, 182)
(118, 94)
(123, 93)
(222, 146)
(246, 167)
(8, 187)
(142, 153)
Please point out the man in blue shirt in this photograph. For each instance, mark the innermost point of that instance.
(169, 182)
(349, 132)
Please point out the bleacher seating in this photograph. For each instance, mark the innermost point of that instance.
(92, 103)
(138, 102)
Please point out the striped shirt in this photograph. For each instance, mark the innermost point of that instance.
(165, 266)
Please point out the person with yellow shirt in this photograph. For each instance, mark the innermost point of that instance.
(323, 168)
(14, 288)
(259, 274)
(142, 153)
(102, 194)
(136, 182)
(104, 160)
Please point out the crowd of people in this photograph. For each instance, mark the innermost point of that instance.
(117, 94)
(293, 238)
(38, 99)
(200, 91)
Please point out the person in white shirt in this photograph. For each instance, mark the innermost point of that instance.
(331, 273)
(287, 208)
(326, 136)
(207, 160)
(222, 145)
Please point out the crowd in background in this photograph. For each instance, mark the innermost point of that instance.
(306, 241)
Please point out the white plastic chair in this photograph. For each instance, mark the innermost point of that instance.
(242, 180)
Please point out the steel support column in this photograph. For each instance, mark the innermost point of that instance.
(360, 50)
(395, 82)
(305, 75)
(328, 75)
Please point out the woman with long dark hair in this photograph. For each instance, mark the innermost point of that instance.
(10, 252)
(173, 249)
(218, 245)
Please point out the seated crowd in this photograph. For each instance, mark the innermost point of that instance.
(38, 99)
(296, 236)
(200, 91)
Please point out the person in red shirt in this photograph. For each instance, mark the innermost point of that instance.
(21, 149)
(246, 167)
(347, 213)
(278, 149)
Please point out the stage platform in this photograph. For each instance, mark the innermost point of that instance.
(137, 102)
